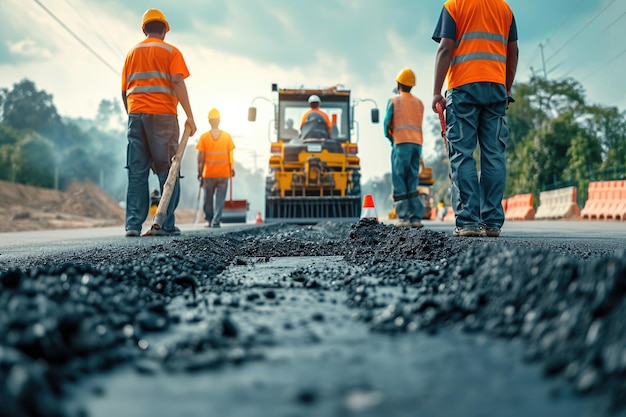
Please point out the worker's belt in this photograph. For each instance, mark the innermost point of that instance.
(406, 196)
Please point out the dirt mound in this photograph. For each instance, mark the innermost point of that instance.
(25, 207)
(81, 205)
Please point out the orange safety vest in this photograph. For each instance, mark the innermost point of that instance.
(147, 77)
(408, 113)
(318, 111)
(482, 31)
(217, 154)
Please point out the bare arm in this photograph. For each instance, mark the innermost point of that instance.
(180, 89)
(442, 63)
(125, 101)
(512, 54)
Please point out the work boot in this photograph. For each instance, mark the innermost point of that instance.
(467, 232)
(403, 223)
(132, 233)
(163, 232)
(490, 231)
(417, 225)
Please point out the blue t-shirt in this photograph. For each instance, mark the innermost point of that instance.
(446, 28)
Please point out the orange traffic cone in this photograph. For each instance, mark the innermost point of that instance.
(258, 217)
(369, 209)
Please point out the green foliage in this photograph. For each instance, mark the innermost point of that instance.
(559, 139)
(24, 107)
(38, 147)
(34, 161)
(8, 135)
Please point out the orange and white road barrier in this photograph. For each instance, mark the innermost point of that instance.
(520, 207)
(258, 218)
(605, 200)
(558, 204)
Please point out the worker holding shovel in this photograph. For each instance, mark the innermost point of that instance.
(215, 168)
(153, 83)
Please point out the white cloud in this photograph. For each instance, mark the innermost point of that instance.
(28, 48)
(235, 50)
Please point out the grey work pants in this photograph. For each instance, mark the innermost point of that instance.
(152, 142)
(214, 197)
(475, 116)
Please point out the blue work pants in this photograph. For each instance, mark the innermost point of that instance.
(405, 167)
(475, 116)
(152, 143)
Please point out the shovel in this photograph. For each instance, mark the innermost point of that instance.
(170, 182)
(196, 217)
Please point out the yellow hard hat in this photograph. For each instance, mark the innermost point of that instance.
(214, 114)
(154, 15)
(406, 77)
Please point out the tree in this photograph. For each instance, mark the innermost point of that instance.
(24, 107)
(109, 116)
(34, 161)
(558, 139)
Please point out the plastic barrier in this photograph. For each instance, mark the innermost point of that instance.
(594, 201)
(520, 207)
(606, 200)
(558, 204)
(449, 217)
(615, 206)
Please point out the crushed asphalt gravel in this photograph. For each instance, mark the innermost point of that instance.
(245, 304)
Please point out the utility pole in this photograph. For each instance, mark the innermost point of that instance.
(543, 62)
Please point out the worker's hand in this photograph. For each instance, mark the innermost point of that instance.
(200, 179)
(438, 98)
(232, 172)
(191, 124)
(509, 100)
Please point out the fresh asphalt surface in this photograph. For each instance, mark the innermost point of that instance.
(332, 366)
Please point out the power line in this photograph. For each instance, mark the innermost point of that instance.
(92, 28)
(566, 18)
(64, 26)
(542, 44)
(581, 30)
(605, 65)
(613, 22)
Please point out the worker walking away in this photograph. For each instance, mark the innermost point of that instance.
(315, 123)
(153, 83)
(403, 128)
(215, 168)
(478, 51)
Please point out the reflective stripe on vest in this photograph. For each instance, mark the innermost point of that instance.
(407, 114)
(209, 157)
(158, 76)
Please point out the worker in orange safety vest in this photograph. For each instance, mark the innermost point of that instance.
(153, 83)
(403, 128)
(478, 52)
(315, 123)
(215, 168)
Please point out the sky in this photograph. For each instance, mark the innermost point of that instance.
(236, 49)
